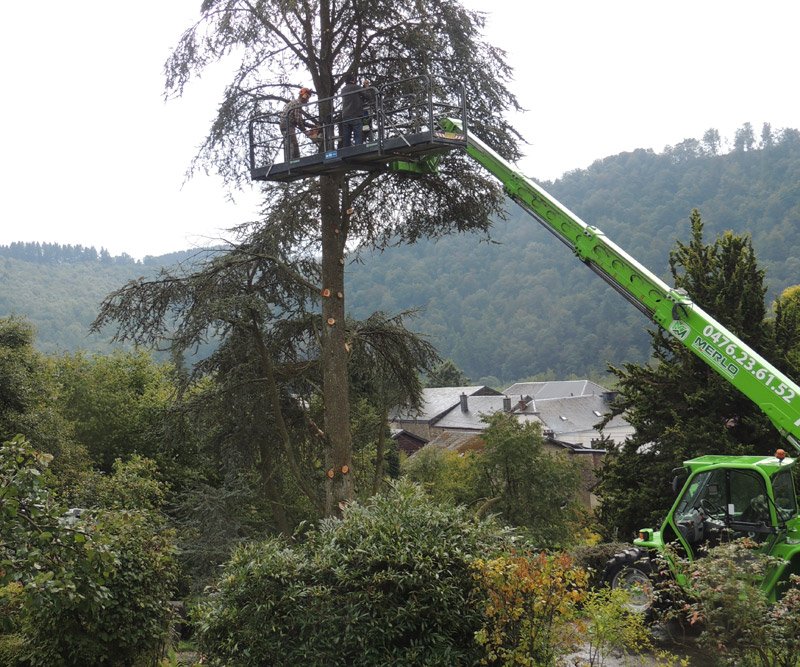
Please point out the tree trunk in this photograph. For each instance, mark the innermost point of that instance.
(339, 455)
(269, 483)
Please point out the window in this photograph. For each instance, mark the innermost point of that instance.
(748, 501)
(785, 499)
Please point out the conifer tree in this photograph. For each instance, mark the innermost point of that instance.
(678, 405)
(281, 45)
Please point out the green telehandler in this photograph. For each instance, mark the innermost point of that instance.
(722, 497)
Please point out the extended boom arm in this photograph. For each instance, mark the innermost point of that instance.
(754, 376)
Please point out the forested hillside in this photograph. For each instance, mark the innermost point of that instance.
(523, 305)
(58, 288)
(517, 306)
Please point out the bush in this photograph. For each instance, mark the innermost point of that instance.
(88, 591)
(608, 626)
(127, 615)
(390, 583)
(531, 601)
(740, 625)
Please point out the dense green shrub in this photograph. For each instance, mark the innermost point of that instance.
(514, 477)
(92, 590)
(391, 583)
(129, 617)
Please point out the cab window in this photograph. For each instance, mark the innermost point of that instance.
(785, 498)
(748, 501)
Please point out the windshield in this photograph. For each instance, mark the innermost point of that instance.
(731, 494)
(785, 499)
(706, 491)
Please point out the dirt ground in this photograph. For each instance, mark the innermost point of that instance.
(672, 643)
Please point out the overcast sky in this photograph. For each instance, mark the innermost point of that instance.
(92, 155)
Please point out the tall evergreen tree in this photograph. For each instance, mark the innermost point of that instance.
(712, 141)
(280, 45)
(678, 405)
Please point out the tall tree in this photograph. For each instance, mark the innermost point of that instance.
(745, 138)
(679, 406)
(787, 328)
(256, 407)
(712, 141)
(28, 391)
(279, 45)
(767, 138)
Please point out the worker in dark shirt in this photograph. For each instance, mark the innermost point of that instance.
(353, 99)
(291, 120)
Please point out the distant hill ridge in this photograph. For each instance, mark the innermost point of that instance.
(519, 308)
(55, 253)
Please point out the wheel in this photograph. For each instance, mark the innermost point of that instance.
(632, 571)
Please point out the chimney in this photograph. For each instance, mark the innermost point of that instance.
(506, 404)
(464, 406)
(609, 396)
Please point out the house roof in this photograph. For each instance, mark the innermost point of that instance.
(572, 415)
(401, 432)
(555, 389)
(567, 410)
(477, 406)
(437, 401)
(458, 441)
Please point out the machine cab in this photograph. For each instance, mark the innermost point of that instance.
(742, 496)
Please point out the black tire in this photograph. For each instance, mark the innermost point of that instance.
(633, 571)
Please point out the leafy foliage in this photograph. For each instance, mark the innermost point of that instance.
(129, 620)
(27, 392)
(116, 403)
(528, 486)
(447, 374)
(531, 601)
(389, 583)
(610, 627)
(80, 590)
(448, 477)
(787, 327)
(512, 477)
(740, 626)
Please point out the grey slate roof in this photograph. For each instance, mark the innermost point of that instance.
(570, 415)
(567, 410)
(471, 419)
(438, 401)
(555, 389)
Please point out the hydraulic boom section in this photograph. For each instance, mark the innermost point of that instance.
(776, 394)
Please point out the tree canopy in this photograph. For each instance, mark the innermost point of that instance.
(277, 47)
